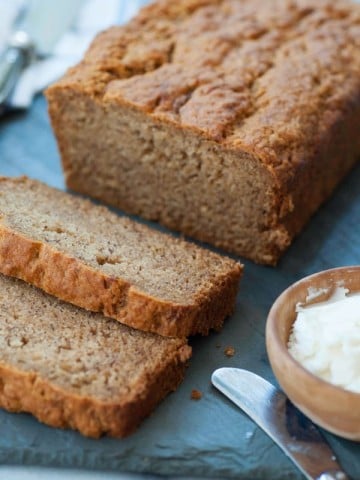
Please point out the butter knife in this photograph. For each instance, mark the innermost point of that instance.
(40, 27)
(294, 433)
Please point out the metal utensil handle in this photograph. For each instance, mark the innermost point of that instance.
(333, 475)
(12, 61)
(11, 64)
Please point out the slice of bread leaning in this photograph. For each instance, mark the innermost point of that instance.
(89, 256)
(74, 369)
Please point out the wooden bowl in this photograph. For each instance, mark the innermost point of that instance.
(331, 407)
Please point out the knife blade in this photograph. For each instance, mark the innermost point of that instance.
(294, 433)
(37, 32)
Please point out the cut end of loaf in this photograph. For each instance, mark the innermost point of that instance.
(83, 371)
(190, 184)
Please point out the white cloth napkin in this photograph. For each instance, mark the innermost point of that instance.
(95, 15)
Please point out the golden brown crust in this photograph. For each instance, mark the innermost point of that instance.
(27, 392)
(277, 80)
(70, 279)
(227, 99)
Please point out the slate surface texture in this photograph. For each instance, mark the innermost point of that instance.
(210, 437)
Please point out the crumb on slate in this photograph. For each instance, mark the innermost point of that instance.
(229, 351)
(218, 346)
(196, 394)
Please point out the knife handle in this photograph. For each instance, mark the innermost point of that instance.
(333, 475)
(12, 62)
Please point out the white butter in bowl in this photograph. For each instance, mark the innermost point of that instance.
(325, 338)
(323, 378)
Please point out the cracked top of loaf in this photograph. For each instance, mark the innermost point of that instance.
(269, 77)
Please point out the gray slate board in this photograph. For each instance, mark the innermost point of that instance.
(210, 437)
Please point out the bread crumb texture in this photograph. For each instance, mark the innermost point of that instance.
(196, 394)
(75, 369)
(229, 351)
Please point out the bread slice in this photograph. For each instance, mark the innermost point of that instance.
(229, 121)
(89, 256)
(75, 369)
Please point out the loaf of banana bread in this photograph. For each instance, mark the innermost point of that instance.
(228, 120)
